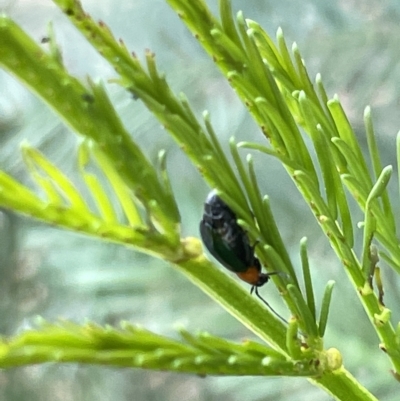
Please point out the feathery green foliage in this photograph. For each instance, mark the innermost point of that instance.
(137, 347)
(142, 212)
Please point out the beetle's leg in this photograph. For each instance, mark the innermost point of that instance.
(255, 289)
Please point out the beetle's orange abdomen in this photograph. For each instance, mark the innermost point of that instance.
(251, 275)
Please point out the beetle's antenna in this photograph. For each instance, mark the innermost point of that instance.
(255, 290)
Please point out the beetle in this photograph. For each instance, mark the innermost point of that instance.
(228, 242)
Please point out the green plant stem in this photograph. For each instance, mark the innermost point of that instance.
(343, 386)
(234, 298)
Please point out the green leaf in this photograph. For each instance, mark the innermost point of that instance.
(307, 277)
(303, 310)
(326, 300)
(37, 163)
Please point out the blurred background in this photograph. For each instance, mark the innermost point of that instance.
(57, 274)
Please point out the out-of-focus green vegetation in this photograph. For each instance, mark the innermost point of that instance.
(53, 273)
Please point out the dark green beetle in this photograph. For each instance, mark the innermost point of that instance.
(230, 245)
(228, 242)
